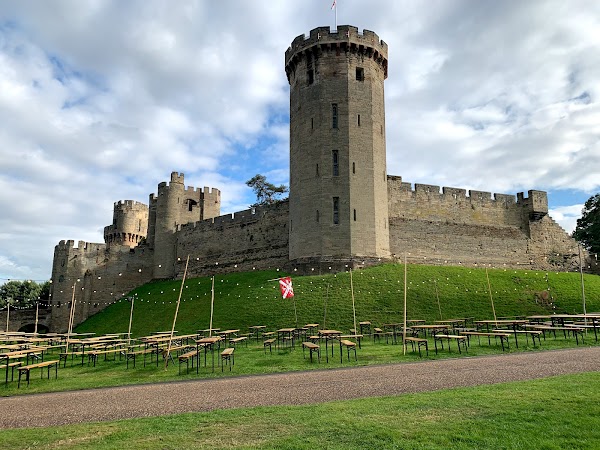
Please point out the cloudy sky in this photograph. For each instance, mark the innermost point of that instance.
(101, 100)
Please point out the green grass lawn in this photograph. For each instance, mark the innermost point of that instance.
(554, 413)
(244, 299)
(252, 359)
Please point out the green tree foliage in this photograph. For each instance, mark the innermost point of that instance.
(588, 226)
(23, 293)
(266, 193)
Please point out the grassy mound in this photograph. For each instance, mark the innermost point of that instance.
(244, 299)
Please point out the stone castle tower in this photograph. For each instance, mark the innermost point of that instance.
(130, 224)
(174, 206)
(338, 202)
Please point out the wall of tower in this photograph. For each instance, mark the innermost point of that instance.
(129, 226)
(337, 106)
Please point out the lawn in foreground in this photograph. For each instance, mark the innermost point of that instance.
(552, 413)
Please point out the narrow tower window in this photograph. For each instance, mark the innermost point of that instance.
(335, 163)
(334, 115)
(310, 77)
(355, 215)
(317, 215)
(360, 74)
(312, 123)
(336, 210)
(358, 120)
(353, 168)
(317, 170)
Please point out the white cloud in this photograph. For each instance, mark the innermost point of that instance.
(101, 100)
(566, 216)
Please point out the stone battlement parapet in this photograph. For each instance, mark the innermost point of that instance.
(130, 205)
(239, 217)
(82, 246)
(535, 199)
(346, 37)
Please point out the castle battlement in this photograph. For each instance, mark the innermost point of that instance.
(129, 204)
(81, 247)
(536, 201)
(346, 37)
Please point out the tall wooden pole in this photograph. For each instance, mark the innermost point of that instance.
(582, 286)
(37, 305)
(490, 291)
(176, 312)
(325, 312)
(212, 305)
(71, 316)
(7, 314)
(130, 320)
(404, 325)
(437, 295)
(353, 307)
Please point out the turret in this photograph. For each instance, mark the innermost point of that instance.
(130, 224)
(338, 180)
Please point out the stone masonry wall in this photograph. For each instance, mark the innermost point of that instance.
(254, 238)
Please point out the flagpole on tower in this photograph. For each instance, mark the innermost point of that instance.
(334, 7)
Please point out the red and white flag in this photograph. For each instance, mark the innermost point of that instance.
(285, 284)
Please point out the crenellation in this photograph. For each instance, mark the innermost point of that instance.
(481, 196)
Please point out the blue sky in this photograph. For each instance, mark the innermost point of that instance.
(101, 100)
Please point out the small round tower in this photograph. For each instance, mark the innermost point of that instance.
(338, 179)
(130, 224)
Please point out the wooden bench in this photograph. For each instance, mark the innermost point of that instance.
(577, 332)
(350, 345)
(27, 369)
(449, 337)
(227, 358)
(186, 357)
(237, 340)
(268, 343)
(65, 356)
(378, 333)
(93, 355)
(533, 333)
(12, 368)
(312, 347)
(502, 336)
(133, 355)
(419, 342)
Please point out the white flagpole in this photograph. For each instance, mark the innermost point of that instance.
(334, 7)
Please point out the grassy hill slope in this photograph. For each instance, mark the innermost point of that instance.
(244, 299)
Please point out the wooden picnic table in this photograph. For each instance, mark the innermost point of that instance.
(256, 330)
(285, 333)
(329, 335)
(430, 327)
(209, 344)
(392, 327)
(20, 354)
(226, 335)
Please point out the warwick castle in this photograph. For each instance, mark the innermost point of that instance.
(344, 210)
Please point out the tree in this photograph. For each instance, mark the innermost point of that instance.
(587, 230)
(21, 293)
(266, 193)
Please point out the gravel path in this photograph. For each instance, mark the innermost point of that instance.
(295, 388)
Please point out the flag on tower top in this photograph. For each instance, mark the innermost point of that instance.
(285, 284)
(333, 5)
